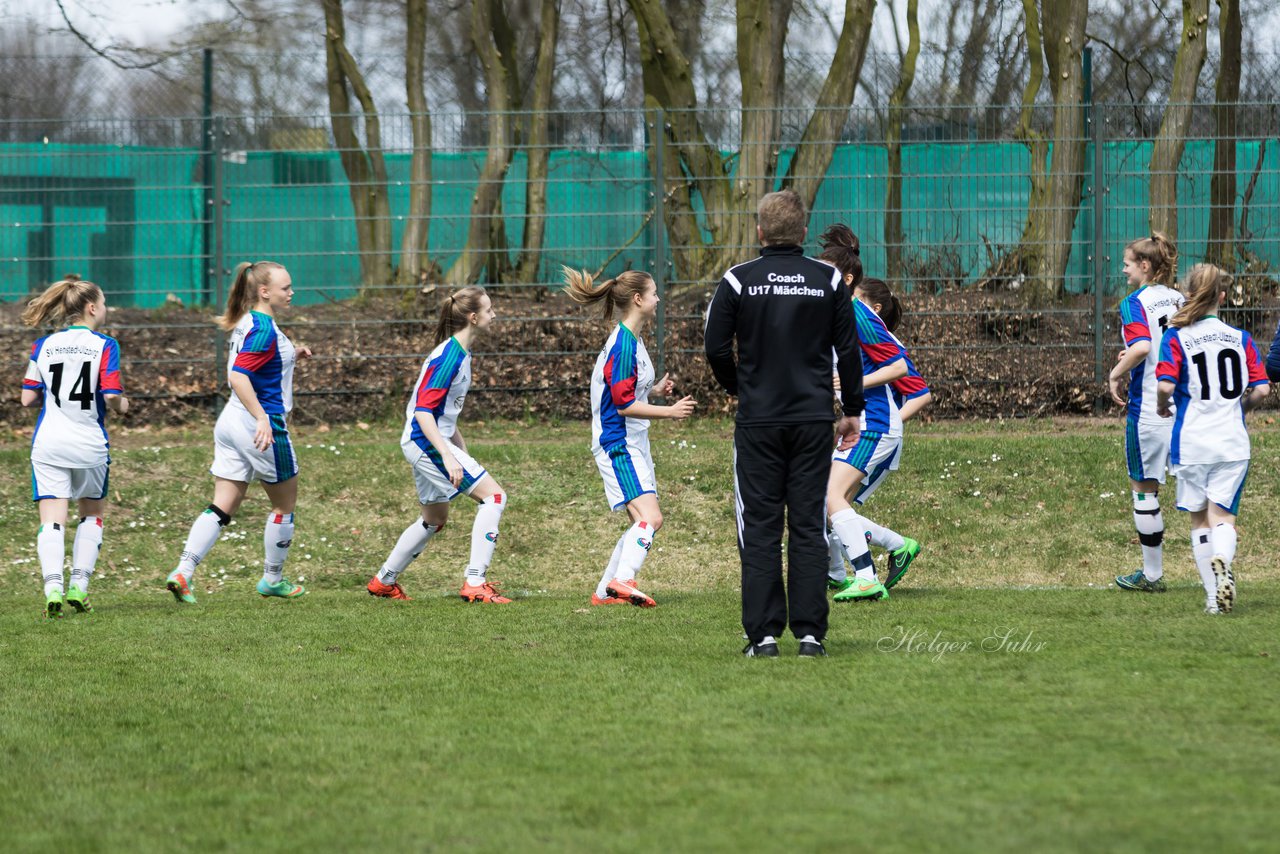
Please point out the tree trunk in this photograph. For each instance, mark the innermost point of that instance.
(1166, 154)
(1222, 188)
(536, 146)
(893, 236)
(690, 161)
(1031, 246)
(413, 240)
(480, 253)
(818, 144)
(1054, 204)
(365, 167)
(762, 33)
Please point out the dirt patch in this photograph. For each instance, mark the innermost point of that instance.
(984, 355)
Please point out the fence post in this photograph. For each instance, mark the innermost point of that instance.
(657, 136)
(217, 262)
(1100, 261)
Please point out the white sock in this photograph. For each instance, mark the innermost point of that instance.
(51, 547)
(84, 551)
(835, 558)
(1224, 542)
(602, 589)
(205, 531)
(848, 527)
(1149, 521)
(635, 548)
(277, 536)
(411, 543)
(484, 537)
(885, 538)
(1202, 551)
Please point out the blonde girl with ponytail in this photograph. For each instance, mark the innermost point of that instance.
(74, 377)
(1209, 375)
(251, 438)
(1150, 265)
(442, 469)
(621, 382)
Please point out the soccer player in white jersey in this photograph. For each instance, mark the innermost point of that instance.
(1149, 265)
(434, 448)
(1209, 376)
(251, 438)
(74, 376)
(621, 382)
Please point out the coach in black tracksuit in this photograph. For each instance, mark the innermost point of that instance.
(788, 313)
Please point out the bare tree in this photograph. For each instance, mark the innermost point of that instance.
(365, 165)
(413, 240)
(1170, 142)
(709, 198)
(893, 235)
(537, 144)
(1054, 204)
(1222, 187)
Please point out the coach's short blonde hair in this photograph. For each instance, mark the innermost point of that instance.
(782, 217)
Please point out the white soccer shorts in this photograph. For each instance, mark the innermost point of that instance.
(1146, 448)
(235, 457)
(431, 478)
(627, 473)
(875, 455)
(50, 481)
(1221, 483)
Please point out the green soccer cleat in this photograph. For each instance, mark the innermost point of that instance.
(76, 598)
(282, 588)
(900, 561)
(177, 585)
(1137, 581)
(839, 586)
(53, 606)
(862, 591)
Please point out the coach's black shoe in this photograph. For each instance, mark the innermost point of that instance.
(767, 648)
(811, 646)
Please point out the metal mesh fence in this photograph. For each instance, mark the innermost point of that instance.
(157, 215)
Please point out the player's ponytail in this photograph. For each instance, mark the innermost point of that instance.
(1158, 251)
(64, 300)
(456, 311)
(1204, 286)
(614, 293)
(244, 291)
(840, 246)
(878, 293)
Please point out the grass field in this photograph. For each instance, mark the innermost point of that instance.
(1007, 697)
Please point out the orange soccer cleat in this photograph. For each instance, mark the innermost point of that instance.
(482, 593)
(608, 600)
(386, 591)
(627, 590)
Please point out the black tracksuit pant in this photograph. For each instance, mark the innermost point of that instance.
(777, 468)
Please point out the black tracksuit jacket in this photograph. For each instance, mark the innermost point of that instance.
(788, 312)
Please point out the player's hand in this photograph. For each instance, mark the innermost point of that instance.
(682, 408)
(1115, 385)
(118, 403)
(665, 386)
(848, 430)
(1120, 356)
(1164, 411)
(835, 381)
(262, 436)
(454, 469)
(303, 352)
